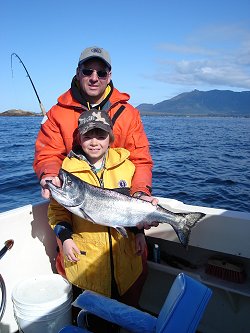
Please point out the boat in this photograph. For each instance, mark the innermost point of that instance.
(218, 255)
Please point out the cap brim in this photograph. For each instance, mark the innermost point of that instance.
(94, 57)
(85, 129)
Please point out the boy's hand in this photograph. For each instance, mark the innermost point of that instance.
(70, 250)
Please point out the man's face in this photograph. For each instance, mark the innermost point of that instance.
(93, 83)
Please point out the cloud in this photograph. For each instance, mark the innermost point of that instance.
(185, 49)
(219, 56)
(226, 72)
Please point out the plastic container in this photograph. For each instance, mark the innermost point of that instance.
(156, 253)
(42, 304)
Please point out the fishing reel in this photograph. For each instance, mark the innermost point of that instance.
(8, 245)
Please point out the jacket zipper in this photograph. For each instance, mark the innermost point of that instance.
(114, 289)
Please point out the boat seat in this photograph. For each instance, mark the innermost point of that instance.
(181, 311)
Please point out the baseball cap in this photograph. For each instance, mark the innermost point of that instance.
(95, 52)
(94, 119)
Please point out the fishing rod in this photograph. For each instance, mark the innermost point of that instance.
(40, 103)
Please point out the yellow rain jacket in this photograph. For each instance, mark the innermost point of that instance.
(93, 270)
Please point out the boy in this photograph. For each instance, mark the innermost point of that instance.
(96, 257)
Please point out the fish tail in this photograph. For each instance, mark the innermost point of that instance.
(190, 220)
(193, 218)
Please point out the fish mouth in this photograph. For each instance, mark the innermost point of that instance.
(54, 187)
(66, 193)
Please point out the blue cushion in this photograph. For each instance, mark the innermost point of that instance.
(184, 306)
(116, 312)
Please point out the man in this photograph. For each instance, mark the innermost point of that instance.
(92, 87)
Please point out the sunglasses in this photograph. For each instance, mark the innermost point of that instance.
(88, 72)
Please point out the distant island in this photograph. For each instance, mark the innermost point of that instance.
(225, 103)
(19, 113)
(212, 103)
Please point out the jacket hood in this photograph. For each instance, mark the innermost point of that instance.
(73, 98)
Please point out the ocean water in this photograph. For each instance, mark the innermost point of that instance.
(199, 161)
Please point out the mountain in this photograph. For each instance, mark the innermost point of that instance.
(225, 103)
(202, 103)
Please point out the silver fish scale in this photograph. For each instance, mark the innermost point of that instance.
(110, 208)
(119, 210)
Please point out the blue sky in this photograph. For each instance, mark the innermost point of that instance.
(159, 48)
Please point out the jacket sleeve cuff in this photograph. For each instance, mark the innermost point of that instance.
(136, 231)
(139, 194)
(63, 231)
(145, 191)
(64, 235)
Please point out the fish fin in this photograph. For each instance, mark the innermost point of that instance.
(121, 230)
(86, 216)
(184, 233)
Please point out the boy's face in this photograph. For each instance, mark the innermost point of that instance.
(95, 143)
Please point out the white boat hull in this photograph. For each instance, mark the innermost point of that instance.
(33, 252)
(221, 232)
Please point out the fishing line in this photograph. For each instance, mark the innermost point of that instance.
(40, 103)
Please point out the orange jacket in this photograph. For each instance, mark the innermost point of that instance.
(58, 129)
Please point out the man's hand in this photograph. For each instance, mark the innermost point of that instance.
(144, 225)
(153, 200)
(45, 192)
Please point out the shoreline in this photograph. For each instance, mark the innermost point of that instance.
(17, 113)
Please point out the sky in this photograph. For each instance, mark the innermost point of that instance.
(159, 48)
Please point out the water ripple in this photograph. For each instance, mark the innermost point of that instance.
(199, 161)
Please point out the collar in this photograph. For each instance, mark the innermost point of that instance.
(79, 97)
(79, 154)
